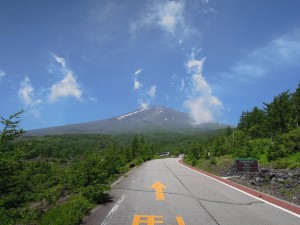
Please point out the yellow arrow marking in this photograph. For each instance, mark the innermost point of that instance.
(159, 190)
(179, 220)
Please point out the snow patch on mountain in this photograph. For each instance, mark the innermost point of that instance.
(130, 114)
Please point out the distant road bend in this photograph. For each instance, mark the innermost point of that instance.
(166, 192)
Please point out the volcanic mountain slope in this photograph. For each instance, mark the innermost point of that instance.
(156, 118)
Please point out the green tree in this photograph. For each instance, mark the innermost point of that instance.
(253, 123)
(281, 114)
(11, 162)
(296, 102)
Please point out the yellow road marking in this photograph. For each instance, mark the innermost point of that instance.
(153, 220)
(147, 219)
(159, 190)
(179, 220)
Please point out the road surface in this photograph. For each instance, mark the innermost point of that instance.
(165, 192)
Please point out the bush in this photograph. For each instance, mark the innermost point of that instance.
(138, 161)
(213, 161)
(4, 217)
(95, 193)
(70, 213)
(281, 164)
(194, 161)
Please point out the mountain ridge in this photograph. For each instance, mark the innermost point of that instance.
(155, 118)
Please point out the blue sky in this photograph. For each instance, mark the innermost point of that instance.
(75, 61)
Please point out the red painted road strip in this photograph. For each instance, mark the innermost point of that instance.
(265, 197)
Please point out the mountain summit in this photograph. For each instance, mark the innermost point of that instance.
(156, 118)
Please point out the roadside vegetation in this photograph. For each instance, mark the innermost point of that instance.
(58, 179)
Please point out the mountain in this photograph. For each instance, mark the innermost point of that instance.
(156, 118)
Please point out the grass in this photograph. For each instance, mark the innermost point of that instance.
(213, 165)
(69, 213)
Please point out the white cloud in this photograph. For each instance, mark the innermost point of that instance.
(280, 53)
(152, 91)
(146, 96)
(27, 97)
(167, 15)
(136, 84)
(136, 73)
(210, 10)
(60, 60)
(203, 106)
(143, 104)
(68, 86)
(26, 93)
(182, 86)
(2, 74)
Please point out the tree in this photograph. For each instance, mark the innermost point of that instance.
(281, 114)
(253, 123)
(296, 102)
(11, 129)
(10, 161)
(135, 146)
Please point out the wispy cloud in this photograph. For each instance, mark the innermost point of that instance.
(137, 84)
(145, 96)
(202, 104)
(152, 91)
(280, 53)
(144, 104)
(2, 74)
(60, 60)
(27, 96)
(68, 86)
(182, 86)
(136, 73)
(166, 15)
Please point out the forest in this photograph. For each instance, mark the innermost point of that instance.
(58, 179)
(271, 134)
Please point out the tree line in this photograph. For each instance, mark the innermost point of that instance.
(270, 134)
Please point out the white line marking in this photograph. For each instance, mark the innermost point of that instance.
(116, 206)
(288, 211)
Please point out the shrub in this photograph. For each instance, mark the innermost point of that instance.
(281, 164)
(213, 161)
(4, 218)
(95, 193)
(69, 213)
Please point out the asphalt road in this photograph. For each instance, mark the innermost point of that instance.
(189, 198)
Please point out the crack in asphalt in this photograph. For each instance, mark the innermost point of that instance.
(191, 196)
(199, 202)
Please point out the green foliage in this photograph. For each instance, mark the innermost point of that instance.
(5, 217)
(11, 163)
(253, 123)
(69, 213)
(95, 193)
(213, 161)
